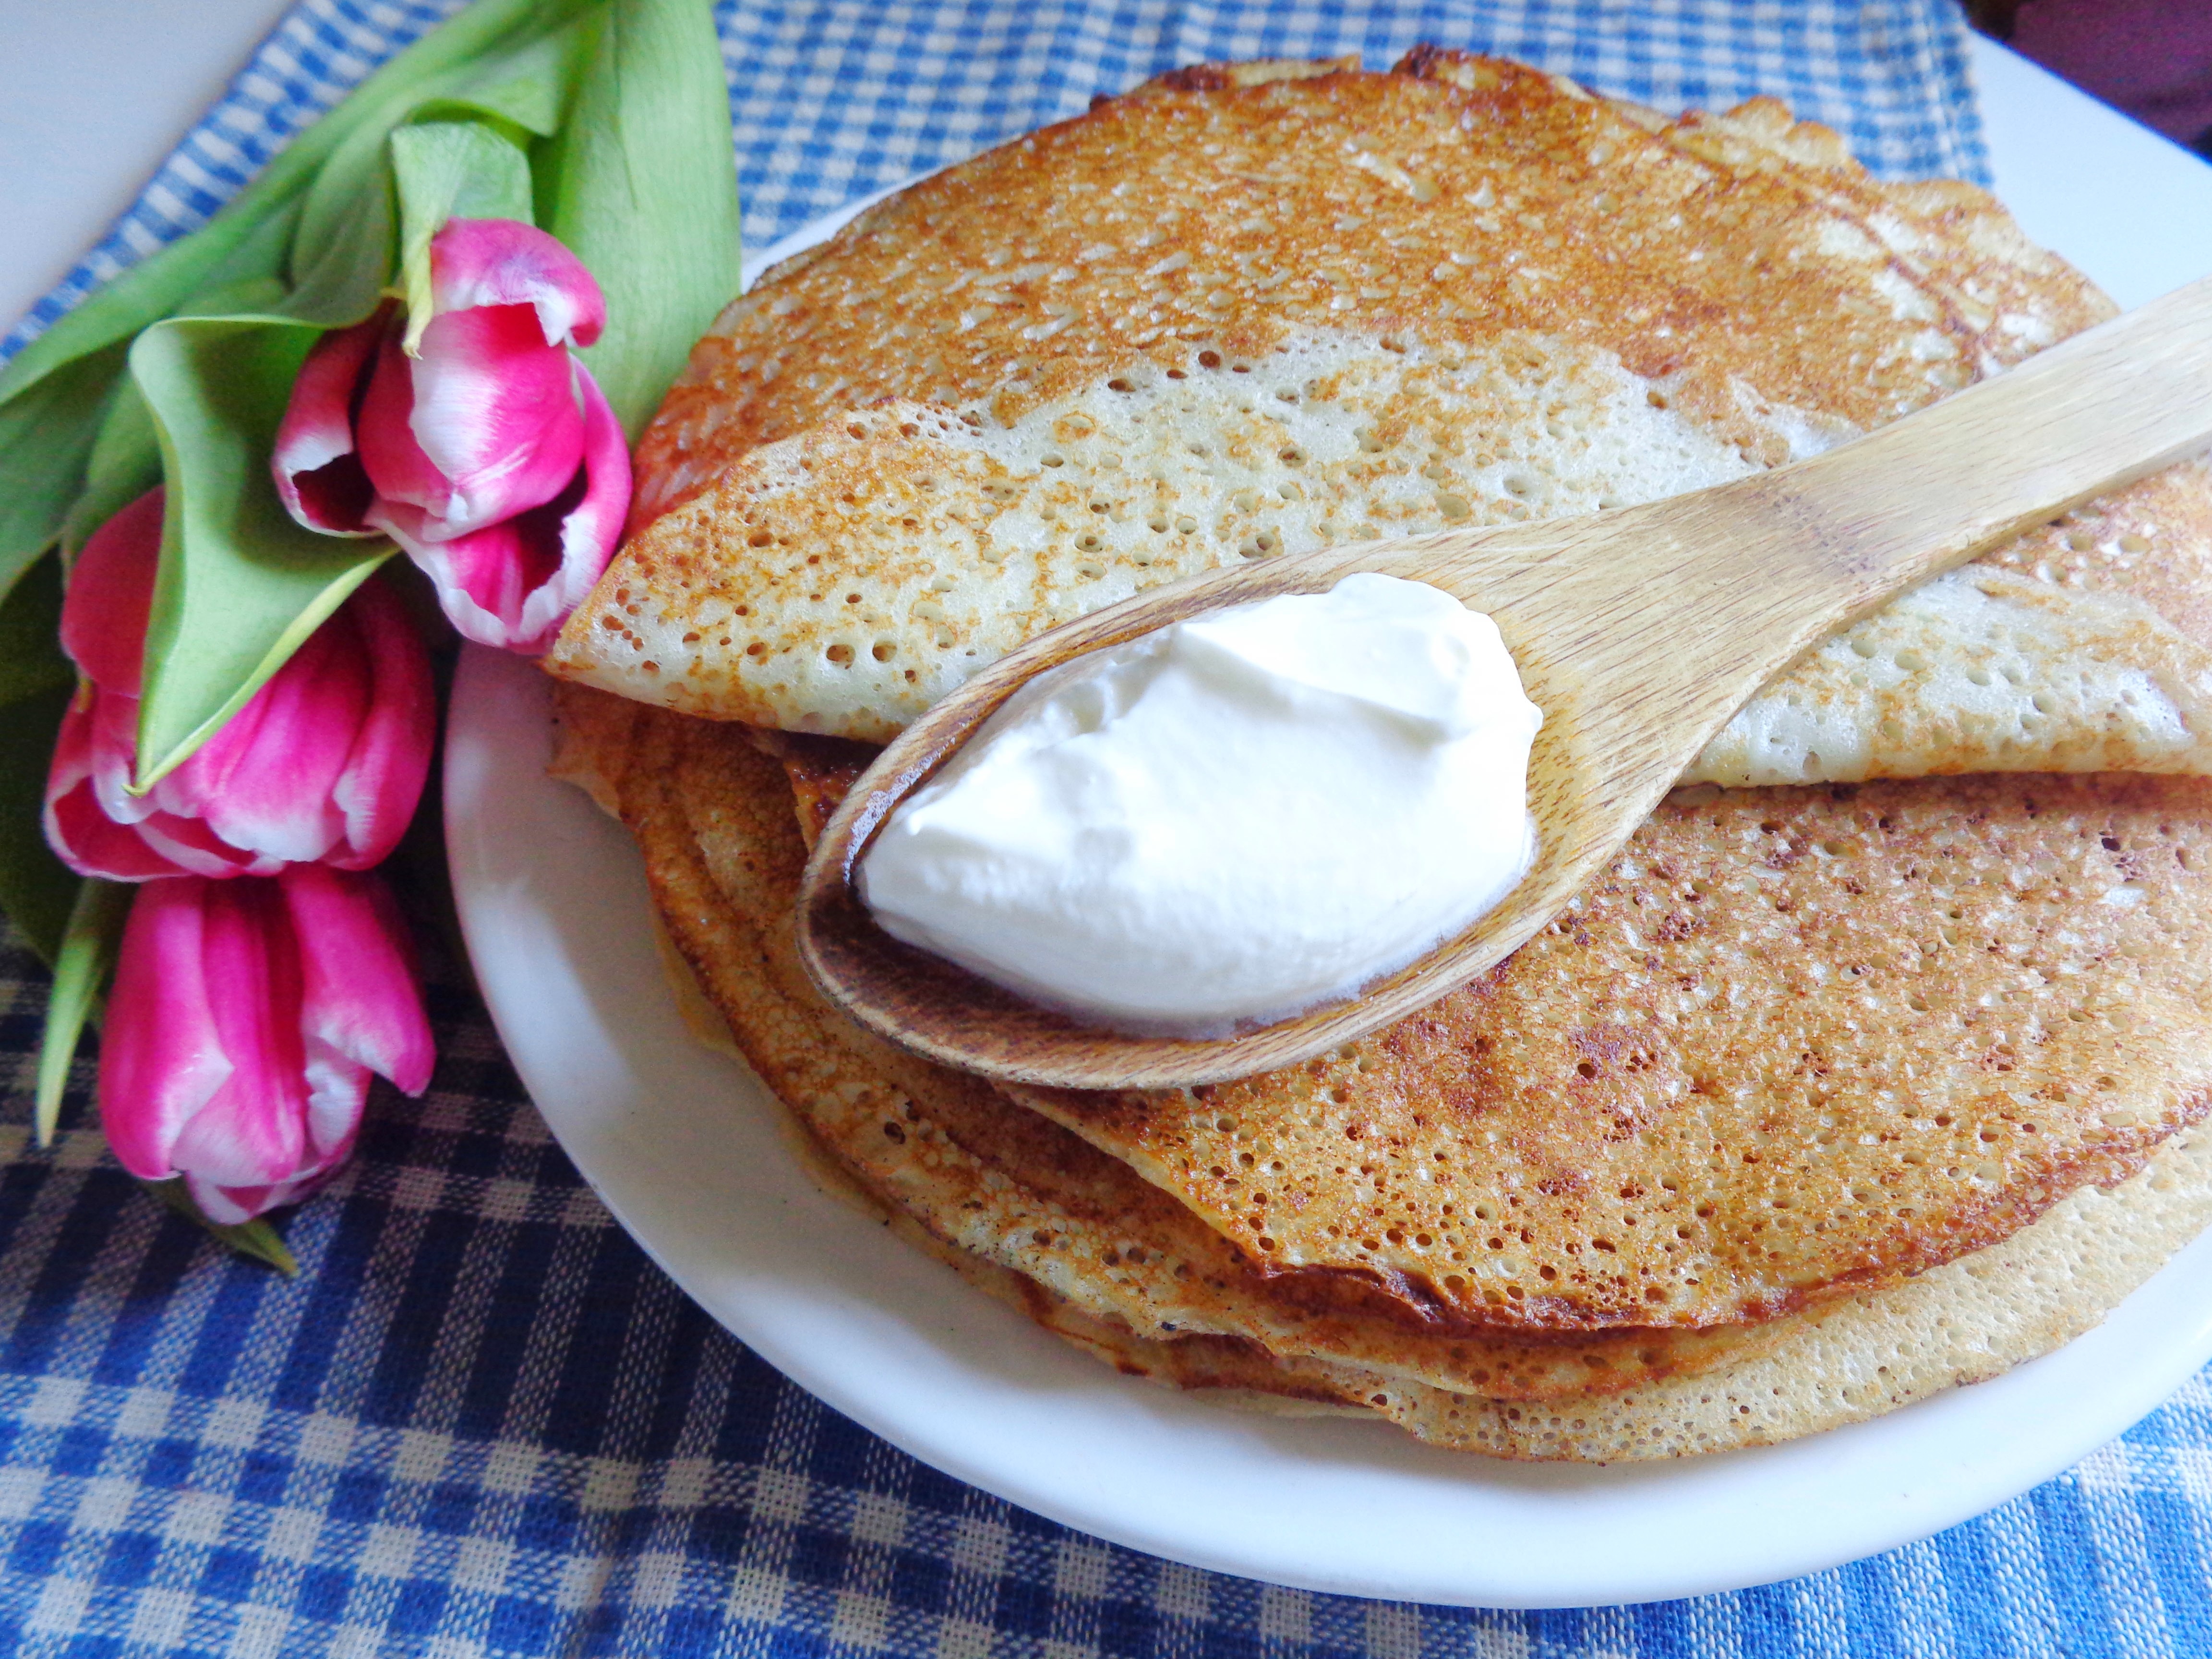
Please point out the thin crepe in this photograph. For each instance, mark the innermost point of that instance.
(1344, 305)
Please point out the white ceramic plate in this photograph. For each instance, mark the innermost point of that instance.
(686, 1149)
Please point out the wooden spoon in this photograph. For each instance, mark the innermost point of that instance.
(1638, 632)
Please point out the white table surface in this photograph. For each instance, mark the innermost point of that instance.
(2058, 153)
(94, 93)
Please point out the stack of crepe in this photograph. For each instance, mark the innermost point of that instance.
(1871, 1067)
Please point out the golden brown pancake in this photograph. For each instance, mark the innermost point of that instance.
(1017, 391)
(1460, 197)
(1858, 1357)
(1794, 1041)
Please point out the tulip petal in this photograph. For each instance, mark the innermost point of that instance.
(504, 262)
(485, 423)
(91, 843)
(111, 718)
(496, 412)
(110, 593)
(319, 475)
(326, 762)
(264, 782)
(337, 1090)
(99, 828)
(82, 835)
(513, 584)
(359, 1001)
(253, 1130)
(233, 1206)
(382, 783)
(161, 1057)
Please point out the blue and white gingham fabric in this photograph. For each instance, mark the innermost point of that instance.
(482, 1423)
(839, 98)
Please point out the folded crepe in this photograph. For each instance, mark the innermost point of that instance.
(1832, 1059)
(1213, 322)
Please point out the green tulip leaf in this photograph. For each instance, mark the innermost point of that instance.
(241, 584)
(126, 451)
(50, 421)
(235, 246)
(86, 958)
(450, 170)
(31, 660)
(256, 1238)
(36, 684)
(36, 888)
(341, 258)
(514, 55)
(50, 431)
(349, 228)
(126, 463)
(526, 88)
(641, 182)
(47, 435)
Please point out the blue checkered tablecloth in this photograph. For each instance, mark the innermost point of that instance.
(482, 1423)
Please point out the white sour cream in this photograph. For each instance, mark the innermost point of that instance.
(1230, 820)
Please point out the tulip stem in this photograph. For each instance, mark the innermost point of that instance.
(81, 969)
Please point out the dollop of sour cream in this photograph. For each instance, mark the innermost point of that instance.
(1230, 820)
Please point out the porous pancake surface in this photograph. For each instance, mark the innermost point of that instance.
(2083, 647)
(714, 815)
(1023, 390)
(1749, 1037)
(1745, 260)
(1793, 1040)
(1030, 1214)
(1858, 1358)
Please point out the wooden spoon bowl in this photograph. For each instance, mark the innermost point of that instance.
(1638, 632)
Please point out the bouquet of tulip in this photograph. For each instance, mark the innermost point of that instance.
(430, 327)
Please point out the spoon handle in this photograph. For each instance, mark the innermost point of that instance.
(1680, 609)
(2092, 413)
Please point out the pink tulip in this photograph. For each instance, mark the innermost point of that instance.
(325, 762)
(513, 583)
(486, 450)
(244, 1023)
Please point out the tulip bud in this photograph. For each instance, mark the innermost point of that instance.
(474, 438)
(513, 583)
(324, 762)
(245, 1018)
